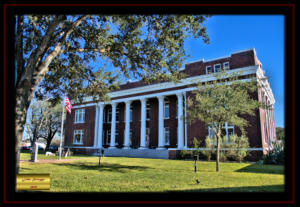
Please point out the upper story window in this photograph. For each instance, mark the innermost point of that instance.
(208, 69)
(167, 136)
(108, 120)
(118, 114)
(226, 66)
(176, 108)
(78, 137)
(217, 68)
(148, 110)
(79, 116)
(130, 115)
(167, 109)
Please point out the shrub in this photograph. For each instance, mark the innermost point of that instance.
(276, 155)
(210, 147)
(237, 147)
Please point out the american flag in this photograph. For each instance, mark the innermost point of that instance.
(68, 105)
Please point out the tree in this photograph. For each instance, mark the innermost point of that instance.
(280, 135)
(52, 124)
(224, 99)
(35, 122)
(57, 53)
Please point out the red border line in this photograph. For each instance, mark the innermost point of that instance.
(293, 104)
(135, 5)
(4, 101)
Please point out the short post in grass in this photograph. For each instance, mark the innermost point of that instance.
(196, 157)
(101, 153)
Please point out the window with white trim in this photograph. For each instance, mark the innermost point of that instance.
(147, 110)
(226, 66)
(208, 69)
(118, 114)
(227, 130)
(107, 140)
(166, 108)
(109, 112)
(167, 135)
(217, 68)
(130, 137)
(147, 137)
(117, 136)
(79, 116)
(78, 137)
(130, 114)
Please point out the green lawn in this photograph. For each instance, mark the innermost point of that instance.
(120, 174)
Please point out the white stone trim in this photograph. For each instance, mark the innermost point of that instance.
(266, 85)
(169, 85)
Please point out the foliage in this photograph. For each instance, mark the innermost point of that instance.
(210, 147)
(224, 99)
(276, 155)
(237, 147)
(146, 47)
(53, 124)
(280, 133)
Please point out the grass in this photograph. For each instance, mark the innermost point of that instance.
(120, 174)
(25, 155)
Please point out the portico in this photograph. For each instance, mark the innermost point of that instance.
(164, 114)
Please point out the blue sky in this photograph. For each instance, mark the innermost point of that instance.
(265, 33)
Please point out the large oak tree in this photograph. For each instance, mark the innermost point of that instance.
(53, 54)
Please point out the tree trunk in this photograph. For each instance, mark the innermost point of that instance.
(22, 104)
(218, 154)
(219, 134)
(48, 143)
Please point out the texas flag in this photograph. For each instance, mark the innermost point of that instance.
(68, 105)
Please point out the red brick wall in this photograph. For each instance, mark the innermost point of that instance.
(88, 126)
(199, 130)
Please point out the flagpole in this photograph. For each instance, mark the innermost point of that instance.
(62, 126)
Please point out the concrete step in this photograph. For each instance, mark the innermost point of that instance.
(142, 153)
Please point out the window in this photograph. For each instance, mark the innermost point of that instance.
(226, 66)
(117, 136)
(78, 137)
(176, 108)
(208, 69)
(148, 111)
(217, 68)
(147, 137)
(107, 140)
(130, 115)
(227, 130)
(130, 137)
(167, 136)
(117, 114)
(167, 109)
(79, 116)
(109, 116)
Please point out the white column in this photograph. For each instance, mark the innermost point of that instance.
(96, 126)
(127, 125)
(180, 141)
(161, 141)
(143, 123)
(113, 126)
(100, 125)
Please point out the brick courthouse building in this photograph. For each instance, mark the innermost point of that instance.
(148, 120)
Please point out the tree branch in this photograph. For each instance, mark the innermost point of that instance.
(43, 68)
(19, 47)
(36, 54)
